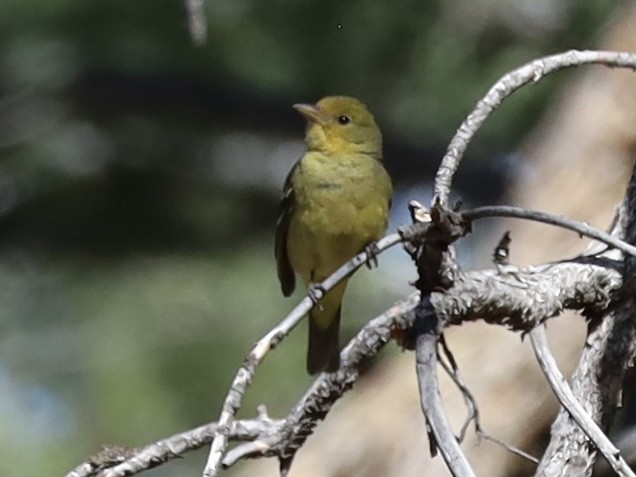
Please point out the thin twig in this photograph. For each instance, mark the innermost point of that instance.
(512, 449)
(564, 222)
(531, 72)
(473, 409)
(244, 376)
(469, 399)
(567, 399)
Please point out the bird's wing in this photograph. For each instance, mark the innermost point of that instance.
(286, 275)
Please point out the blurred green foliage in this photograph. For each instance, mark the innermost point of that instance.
(139, 178)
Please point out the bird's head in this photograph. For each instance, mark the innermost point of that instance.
(341, 124)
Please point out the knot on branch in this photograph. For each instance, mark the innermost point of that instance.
(447, 224)
(430, 247)
(109, 456)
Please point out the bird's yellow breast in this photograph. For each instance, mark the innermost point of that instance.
(341, 205)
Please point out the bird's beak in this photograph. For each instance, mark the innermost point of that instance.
(311, 113)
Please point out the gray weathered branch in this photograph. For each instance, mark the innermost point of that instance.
(245, 373)
(502, 89)
(426, 361)
(566, 397)
(584, 284)
(597, 382)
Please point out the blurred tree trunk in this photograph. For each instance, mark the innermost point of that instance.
(575, 163)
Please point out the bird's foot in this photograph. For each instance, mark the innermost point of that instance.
(372, 252)
(316, 292)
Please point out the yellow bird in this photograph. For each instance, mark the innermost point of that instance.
(335, 203)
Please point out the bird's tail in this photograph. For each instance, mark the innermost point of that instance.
(323, 352)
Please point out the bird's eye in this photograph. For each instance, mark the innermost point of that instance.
(344, 119)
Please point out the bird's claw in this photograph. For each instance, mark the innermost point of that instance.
(372, 252)
(316, 291)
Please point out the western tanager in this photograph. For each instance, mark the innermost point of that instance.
(335, 203)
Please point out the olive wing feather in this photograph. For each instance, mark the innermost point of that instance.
(284, 269)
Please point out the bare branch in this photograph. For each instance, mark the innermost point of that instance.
(598, 380)
(280, 438)
(625, 441)
(509, 83)
(564, 222)
(437, 270)
(521, 299)
(566, 397)
(244, 375)
(108, 456)
(116, 461)
(329, 387)
(254, 448)
(530, 72)
(428, 331)
(506, 298)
